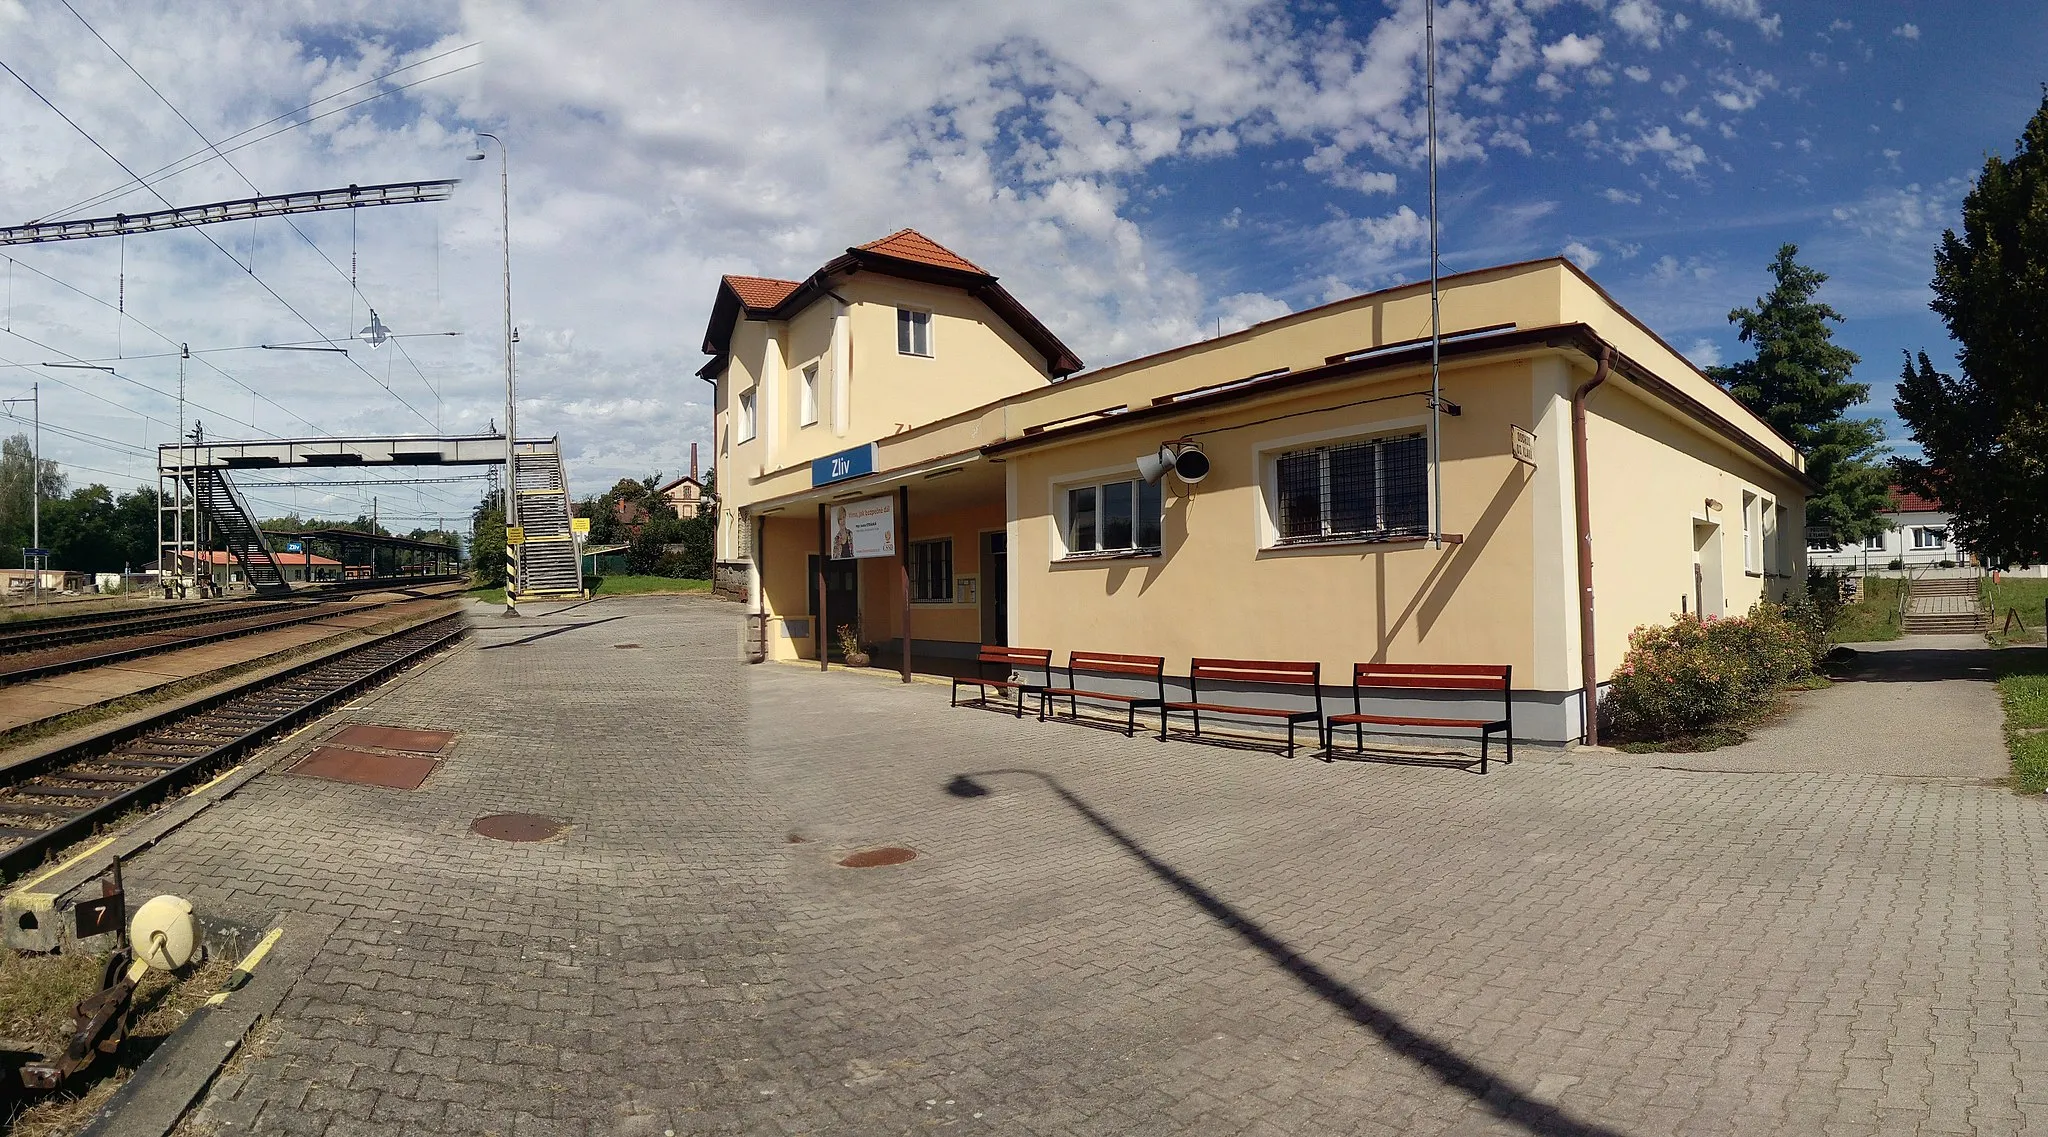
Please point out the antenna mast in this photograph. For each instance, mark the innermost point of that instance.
(1436, 328)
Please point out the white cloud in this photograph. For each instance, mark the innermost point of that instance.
(1912, 216)
(1907, 31)
(1639, 74)
(1677, 151)
(1369, 246)
(1577, 251)
(1621, 196)
(1693, 118)
(1573, 50)
(1673, 85)
(1668, 269)
(1329, 161)
(1243, 309)
(1898, 104)
(1714, 37)
(1640, 20)
(1841, 26)
(1741, 92)
(1749, 11)
(1704, 353)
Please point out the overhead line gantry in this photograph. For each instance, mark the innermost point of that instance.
(221, 212)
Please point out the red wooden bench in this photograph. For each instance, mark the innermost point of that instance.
(1427, 677)
(1231, 671)
(1007, 661)
(1151, 667)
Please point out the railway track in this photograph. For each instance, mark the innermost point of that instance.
(119, 644)
(38, 635)
(57, 798)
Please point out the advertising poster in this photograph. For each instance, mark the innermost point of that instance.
(864, 528)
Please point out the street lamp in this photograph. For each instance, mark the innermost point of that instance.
(511, 391)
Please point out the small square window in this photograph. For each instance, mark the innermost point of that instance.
(1874, 542)
(913, 332)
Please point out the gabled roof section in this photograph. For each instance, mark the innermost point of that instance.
(906, 254)
(761, 292)
(911, 245)
(1906, 501)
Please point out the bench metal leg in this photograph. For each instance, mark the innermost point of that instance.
(1131, 722)
(1483, 736)
(1162, 724)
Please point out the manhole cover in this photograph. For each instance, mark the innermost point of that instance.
(516, 827)
(877, 858)
(394, 738)
(340, 764)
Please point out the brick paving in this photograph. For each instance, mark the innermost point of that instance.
(1099, 935)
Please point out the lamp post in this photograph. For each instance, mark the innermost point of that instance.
(511, 391)
(32, 560)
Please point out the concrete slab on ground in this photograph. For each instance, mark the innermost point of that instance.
(1097, 935)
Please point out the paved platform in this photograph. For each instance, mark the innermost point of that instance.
(1098, 935)
(1917, 706)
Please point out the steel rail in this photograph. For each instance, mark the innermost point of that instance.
(14, 641)
(226, 725)
(232, 628)
(84, 619)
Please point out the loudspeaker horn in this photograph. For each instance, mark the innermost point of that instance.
(1153, 467)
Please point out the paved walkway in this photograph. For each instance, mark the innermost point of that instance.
(1914, 706)
(1098, 935)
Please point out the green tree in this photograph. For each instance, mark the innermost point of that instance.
(487, 545)
(1984, 434)
(17, 459)
(1800, 384)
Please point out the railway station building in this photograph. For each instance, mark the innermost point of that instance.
(897, 436)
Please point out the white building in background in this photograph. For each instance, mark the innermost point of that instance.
(1922, 535)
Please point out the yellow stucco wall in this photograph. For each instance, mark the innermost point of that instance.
(1216, 590)
(1651, 475)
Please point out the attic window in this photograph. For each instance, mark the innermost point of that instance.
(913, 332)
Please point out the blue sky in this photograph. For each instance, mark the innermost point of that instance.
(1138, 173)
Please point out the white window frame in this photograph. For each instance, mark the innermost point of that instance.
(746, 412)
(1266, 503)
(807, 394)
(910, 556)
(915, 323)
(1920, 533)
(1063, 536)
(1749, 532)
(1875, 543)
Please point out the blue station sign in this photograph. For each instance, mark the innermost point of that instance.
(843, 465)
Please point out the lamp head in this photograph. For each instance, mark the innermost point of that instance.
(476, 157)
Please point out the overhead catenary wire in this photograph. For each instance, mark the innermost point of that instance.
(174, 168)
(208, 237)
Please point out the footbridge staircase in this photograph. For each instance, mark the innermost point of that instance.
(229, 524)
(546, 561)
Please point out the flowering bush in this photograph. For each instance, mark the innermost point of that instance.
(1698, 673)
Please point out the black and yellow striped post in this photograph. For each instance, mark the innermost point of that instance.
(515, 536)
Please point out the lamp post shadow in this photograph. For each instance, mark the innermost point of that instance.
(1490, 1090)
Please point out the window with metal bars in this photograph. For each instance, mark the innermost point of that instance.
(1369, 489)
(931, 571)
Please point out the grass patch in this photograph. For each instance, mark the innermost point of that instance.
(16, 612)
(1875, 615)
(2023, 688)
(644, 585)
(36, 997)
(2025, 596)
(613, 586)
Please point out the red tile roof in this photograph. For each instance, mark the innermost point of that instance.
(762, 291)
(911, 245)
(222, 557)
(1906, 501)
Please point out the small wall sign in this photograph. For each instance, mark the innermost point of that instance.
(1523, 444)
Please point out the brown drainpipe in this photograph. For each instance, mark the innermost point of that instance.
(1589, 670)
